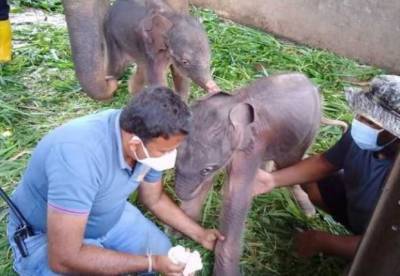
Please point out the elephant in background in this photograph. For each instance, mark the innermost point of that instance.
(100, 56)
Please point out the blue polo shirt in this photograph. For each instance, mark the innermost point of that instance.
(364, 176)
(79, 168)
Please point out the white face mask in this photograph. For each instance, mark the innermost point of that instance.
(162, 163)
(366, 137)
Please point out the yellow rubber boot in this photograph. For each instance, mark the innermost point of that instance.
(5, 41)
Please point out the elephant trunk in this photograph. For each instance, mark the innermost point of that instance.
(203, 78)
(185, 188)
(85, 19)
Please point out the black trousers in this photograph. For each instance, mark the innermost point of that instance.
(4, 10)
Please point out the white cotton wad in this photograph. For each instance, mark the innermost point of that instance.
(192, 260)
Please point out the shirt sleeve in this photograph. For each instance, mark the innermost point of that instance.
(337, 154)
(153, 176)
(72, 178)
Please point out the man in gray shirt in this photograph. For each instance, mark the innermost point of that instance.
(74, 192)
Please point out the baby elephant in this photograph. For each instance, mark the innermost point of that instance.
(274, 118)
(154, 36)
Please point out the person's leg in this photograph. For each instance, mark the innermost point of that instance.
(5, 32)
(330, 195)
(4, 10)
(136, 234)
(37, 261)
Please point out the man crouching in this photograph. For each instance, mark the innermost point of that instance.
(74, 192)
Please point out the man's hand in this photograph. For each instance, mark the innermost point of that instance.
(165, 266)
(264, 183)
(307, 243)
(209, 238)
(168, 212)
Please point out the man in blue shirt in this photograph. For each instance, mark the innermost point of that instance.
(74, 192)
(347, 180)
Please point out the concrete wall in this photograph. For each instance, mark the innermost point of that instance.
(367, 30)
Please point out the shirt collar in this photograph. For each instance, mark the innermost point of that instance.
(118, 136)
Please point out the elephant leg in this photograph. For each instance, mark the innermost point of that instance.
(137, 80)
(299, 195)
(193, 207)
(117, 61)
(236, 204)
(303, 200)
(181, 83)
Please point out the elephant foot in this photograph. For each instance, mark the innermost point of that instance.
(303, 200)
(103, 91)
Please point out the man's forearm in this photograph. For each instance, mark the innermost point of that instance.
(308, 170)
(168, 212)
(96, 260)
(342, 246)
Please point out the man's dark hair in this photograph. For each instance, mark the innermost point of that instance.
(156, 112)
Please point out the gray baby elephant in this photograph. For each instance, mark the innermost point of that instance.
(273, 118)
(155, 36)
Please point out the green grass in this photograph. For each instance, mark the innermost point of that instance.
(39, 91)
(47, 5)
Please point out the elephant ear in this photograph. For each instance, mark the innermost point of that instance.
(154, 31)
(241, 117)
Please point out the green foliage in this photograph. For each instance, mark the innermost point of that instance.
(39, 91)
(48, 5)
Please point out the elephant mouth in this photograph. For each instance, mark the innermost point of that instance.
(184, 190)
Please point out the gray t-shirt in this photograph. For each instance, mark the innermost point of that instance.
(79, 168)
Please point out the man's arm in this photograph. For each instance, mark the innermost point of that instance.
(159, 203)
(308, 170)
(311, 242)
(67, 253)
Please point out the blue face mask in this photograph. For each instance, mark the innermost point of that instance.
(365, 136)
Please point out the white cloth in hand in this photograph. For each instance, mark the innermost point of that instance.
(192, 260)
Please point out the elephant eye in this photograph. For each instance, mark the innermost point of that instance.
(207, 171)
(185, 62)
